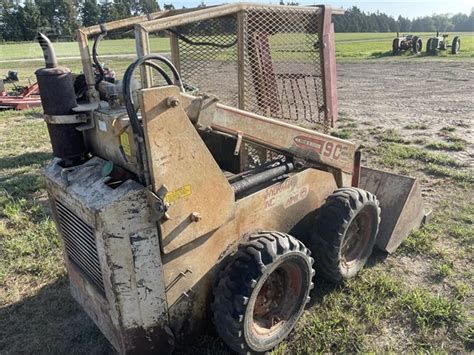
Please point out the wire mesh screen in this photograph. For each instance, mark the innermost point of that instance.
(282, 70)
(280, 62)
(208, 58)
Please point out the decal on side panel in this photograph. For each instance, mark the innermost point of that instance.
(285, 194)
(332, 150)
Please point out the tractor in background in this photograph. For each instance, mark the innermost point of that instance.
(440, 43)
(405, 43)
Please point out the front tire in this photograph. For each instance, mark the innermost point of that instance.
(456, 45)
(396, 46)
(344, 233)
(428, 46)
(262, 292)
(417, 45)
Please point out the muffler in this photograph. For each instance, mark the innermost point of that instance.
(58, 99)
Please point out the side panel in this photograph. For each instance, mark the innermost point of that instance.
(113, 256)
(133, 256)
(190, 270)
(200, 198)
(95, 304)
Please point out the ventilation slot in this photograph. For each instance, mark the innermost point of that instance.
(79, 241)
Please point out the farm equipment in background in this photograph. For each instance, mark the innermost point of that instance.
(440, 42)
(20, 97)
(174, 209)
(404, 43)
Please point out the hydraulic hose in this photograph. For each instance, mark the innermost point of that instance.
(202, 43)
(95, 59)
(161, 71)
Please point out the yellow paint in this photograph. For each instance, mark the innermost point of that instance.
(174, 195)
(125, 143)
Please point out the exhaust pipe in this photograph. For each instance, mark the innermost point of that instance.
(58, 99)
(48, 51)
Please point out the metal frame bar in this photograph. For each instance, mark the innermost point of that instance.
(175, 57)
(84, 33)
(142, 42)
(328, 57)
(213, 12)
(241, 58)
(280, 136)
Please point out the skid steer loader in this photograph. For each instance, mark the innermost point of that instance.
(211, 190)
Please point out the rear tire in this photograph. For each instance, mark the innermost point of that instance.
(428, 46)
(456, 45)
(395, 46)
(262, 292)
(344, 233)
(417, 45)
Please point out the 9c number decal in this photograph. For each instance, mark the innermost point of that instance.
(336, 151)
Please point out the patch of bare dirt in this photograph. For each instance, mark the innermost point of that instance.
(393, 94)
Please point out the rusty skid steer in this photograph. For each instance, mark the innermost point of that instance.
(209, 188)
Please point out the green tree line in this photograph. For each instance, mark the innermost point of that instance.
(355, 20)
(21, 19)
(60, 18)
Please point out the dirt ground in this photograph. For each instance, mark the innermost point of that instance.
(415, 99)
(395, 94)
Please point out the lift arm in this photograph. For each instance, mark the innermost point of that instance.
(289, 139)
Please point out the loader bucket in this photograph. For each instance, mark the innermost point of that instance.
(400, 202)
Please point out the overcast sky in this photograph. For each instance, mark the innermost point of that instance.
(405, 8)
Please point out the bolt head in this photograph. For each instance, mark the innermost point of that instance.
(172, 101)
(196, 217)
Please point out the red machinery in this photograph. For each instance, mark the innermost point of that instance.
(21, 97)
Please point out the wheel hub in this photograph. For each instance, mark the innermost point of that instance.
(276, 300)
(270, 295)
(356, 239)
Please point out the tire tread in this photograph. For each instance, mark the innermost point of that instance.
(233, 291)
(331, 223)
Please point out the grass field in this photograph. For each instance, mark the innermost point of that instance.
(418, 300)
(348, 45)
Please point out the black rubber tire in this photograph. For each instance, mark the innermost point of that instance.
(428, 46)
(417, 45)
(346, 208)
(395, 46)
(456, 45)
(240, 283)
